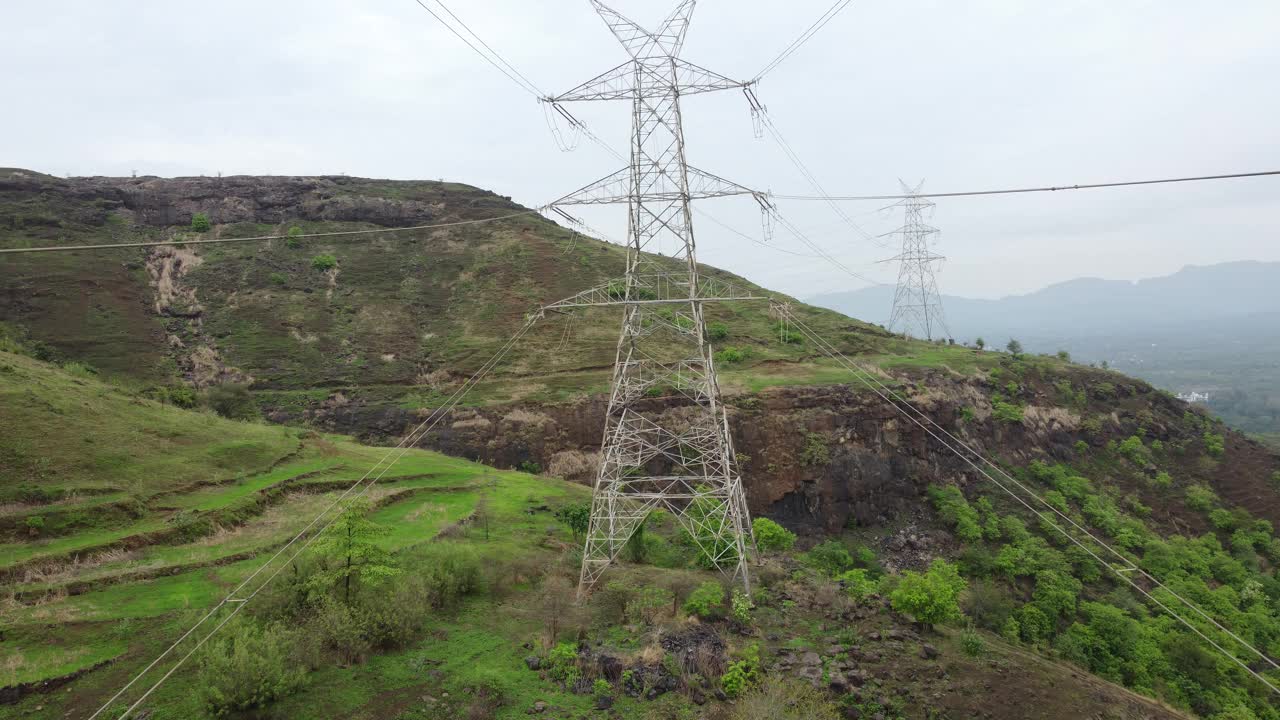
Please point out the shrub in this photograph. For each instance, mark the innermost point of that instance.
(449, 573)
(987, 604)
(1134, 451)
(1275, 479)
(324, 262)
(789, 337)
(200, 222)
(858, 584)
(1214, 444)
(770, 536)
(576, 517)
(232, 401)
(562, 663)
(34, 523)
(779, 698)
(717, 331)
(932, 597)
(178, 396)
(955, 510)
(248, 669)
(706, 600)
(830, 557)
(1162, 480)
(731, 355)
(294, 240)
(277, 278)
(602, 688)
(741, 606)
(648, 602)
(815, 450)
(1006, 412)
(531, 467)
(742, 674)
(971, 642)
(1200, 497)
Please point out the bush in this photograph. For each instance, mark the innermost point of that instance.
(930, 598)
(178, 396)
(601, 688)
(815, 450)
(294, 240)
(741, 606)
(779, 698)
(562, 664)
(248, 669)
(742, 674)
(1162, 480)
(858, 584)
(732, 355)
(200, 222)
(1134, 451)
(1006, 412)
(531, 467)
(233, 401)
(988, 605)
(647, 603)
(449, 572)
(1200, 497)
(717, 331)
(324, 262)
(971, 642)
(770, 536)
(1214, 444)
(955, 510)
(277, 278)
(576, 517)
(830, 557)
(706, 600)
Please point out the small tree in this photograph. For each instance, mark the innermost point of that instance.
(575, 516)
(200, 222)
(250, 668)
(350, 544)
(294, 240)
(1064, 356)
(1014, 347)
(930, 598)
(770, 536)
(324, 262)
(981, 343)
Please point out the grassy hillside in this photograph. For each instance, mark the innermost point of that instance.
(125, 557)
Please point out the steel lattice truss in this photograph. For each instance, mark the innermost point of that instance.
(917, 306)
(683, 460)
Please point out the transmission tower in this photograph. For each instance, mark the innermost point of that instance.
(917, 306)
(682, 460)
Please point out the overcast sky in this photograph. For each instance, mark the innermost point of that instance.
(966, 95)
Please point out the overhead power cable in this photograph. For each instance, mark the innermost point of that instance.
(495, 60)
(809, 32)
(237, 598)
(745, 236)
(980, 463)
(791, 227)
(808, 175)
(1049, 188)
(259, 238)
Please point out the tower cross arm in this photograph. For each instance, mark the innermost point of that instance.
(694, 79)
(615, 84)
(617, 187)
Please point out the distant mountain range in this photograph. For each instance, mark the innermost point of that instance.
(1212, 328)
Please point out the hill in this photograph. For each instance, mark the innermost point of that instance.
(1179, 495)
(127, 553)
(1212, 329)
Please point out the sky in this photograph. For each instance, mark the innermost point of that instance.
(961, 95)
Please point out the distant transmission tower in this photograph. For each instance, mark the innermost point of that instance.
(681, 461)
(917, 306)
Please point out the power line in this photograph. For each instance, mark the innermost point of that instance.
(791, 154)
(1091, 186)
(513, 74)
(406, 443)
(938, 434)
(804, 36)
(790, 226)
(745, 236)
(258, 238)
(488, 47)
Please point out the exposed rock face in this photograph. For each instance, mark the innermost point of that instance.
(876, 464)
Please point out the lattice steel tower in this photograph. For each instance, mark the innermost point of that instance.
(681, 460)
(917, 306)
